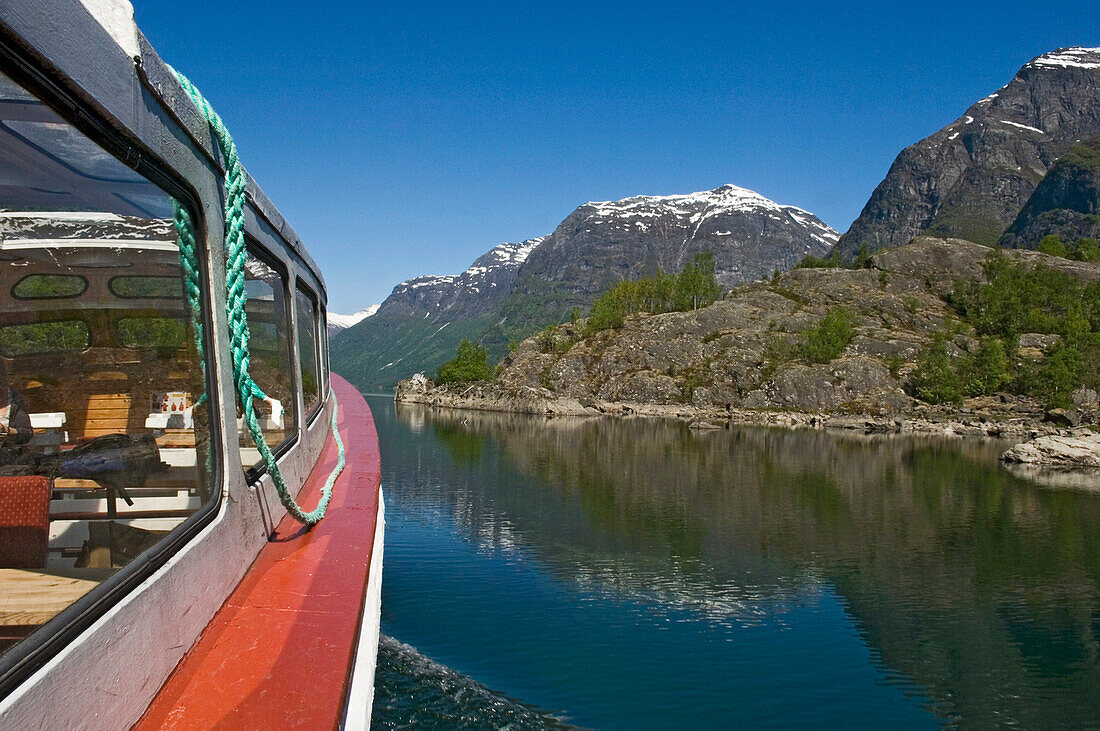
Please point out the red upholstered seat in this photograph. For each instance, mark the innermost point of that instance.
(24, 521)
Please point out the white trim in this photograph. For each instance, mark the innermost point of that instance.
(117, 18)
(357, 713)
(150, 244)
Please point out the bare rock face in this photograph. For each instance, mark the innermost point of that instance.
(750, 236)
(1066, 452)
(414, 385)
(1066, 202)
(972, 178)
(740, 353)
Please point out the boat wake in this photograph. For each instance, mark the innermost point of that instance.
(411, 689)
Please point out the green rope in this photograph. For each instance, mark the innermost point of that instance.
(247, 389)
(185, 240)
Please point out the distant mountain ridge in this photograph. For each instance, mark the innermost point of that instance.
(972, 178)
(419, 325)
(606, 241)
(469, 294)
(515, 289)
(338, 322)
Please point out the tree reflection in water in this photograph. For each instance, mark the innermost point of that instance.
(979, 585)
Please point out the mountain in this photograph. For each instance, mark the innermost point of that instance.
(337, 322)
(1065, 203)
(603, 242)
(419, 325)
(516, 289)
(16, 226)
(972, 177)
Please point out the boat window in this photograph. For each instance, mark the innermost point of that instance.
(323, 331)
(307, 348)
(49, 286)
(144, 287)
(151, 332)
(269, 348)
(104, 434)
(41, 338)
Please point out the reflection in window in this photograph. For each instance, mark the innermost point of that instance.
(269, 349)
(138, 287)
(151, 332)
(49, 286)
(307, 348)
(104, 439)
(41, 338)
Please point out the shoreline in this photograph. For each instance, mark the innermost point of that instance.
(931, 420)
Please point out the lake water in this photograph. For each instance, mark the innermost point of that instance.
(638, 574)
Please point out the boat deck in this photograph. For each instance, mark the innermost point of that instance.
(279, 652)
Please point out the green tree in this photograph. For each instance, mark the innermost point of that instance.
(988, 370)
(828, 339)
(471, 363)
(937, 379)
(1053, 245)
(1060, 375)
(1087, 249)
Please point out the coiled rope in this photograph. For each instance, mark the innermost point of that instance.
(236, 254)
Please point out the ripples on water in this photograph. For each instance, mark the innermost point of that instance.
(628, 574)
(413, 690)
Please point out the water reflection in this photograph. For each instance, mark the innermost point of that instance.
(971, 581)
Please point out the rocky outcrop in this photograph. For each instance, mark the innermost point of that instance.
(1079, 451)
(972, 178)
(735, 360)
(1066, 203)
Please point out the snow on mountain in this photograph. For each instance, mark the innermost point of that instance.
(16, 226)
(1085, 58)
(338, 322)
(972, 178)
(602, 242)
(638, 211)
(488, 278)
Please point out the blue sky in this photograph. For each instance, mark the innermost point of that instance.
(407, 139)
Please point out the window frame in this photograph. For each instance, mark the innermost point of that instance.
(304, 288)
(52, 637)
(253, 247)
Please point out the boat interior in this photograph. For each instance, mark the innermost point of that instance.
(103, 364)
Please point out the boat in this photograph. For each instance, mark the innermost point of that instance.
(191, 517)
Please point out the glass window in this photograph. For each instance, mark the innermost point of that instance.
(269, 349)
(104, 436)
(139, 287)
(307, 348)
(49, 286)
(323, 330)
(44, 337)
(151, 332)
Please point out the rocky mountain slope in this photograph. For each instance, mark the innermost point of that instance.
(971, 178)
(1066, 203)
(517, 289)
(603, 242)
(736, 353)
(418, 326)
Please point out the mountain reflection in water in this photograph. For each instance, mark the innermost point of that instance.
(919, 578)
